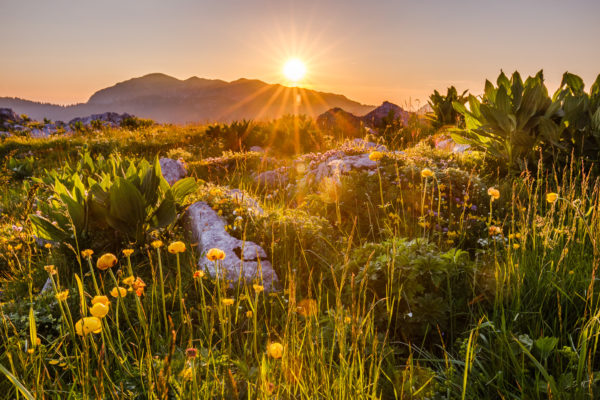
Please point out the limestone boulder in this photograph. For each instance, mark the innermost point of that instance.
(245, 262)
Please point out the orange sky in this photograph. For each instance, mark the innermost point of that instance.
(63, 51)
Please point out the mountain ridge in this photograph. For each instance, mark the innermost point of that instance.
(167, 99)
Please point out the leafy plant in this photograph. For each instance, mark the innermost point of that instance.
(512, 120)
(21, 168)
(581, 118)
(443, 113)
(115, 199)
(420, 283)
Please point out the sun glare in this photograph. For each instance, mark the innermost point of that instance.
(294, 70)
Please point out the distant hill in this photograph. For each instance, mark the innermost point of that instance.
(337, 118)
(167, 99)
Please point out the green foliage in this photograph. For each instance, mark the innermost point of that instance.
(581, 117)
(421, 286)
(512, 120)
(443, 113)
(110, 200)
(21, 168)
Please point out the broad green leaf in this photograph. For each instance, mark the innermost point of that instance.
(182, 188)
(44, 229)
(165, 214)
(127, 204)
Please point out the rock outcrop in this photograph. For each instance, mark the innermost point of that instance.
(109, 119)
(172, 170)
(375, 117)
(334, 163)
(244, 261)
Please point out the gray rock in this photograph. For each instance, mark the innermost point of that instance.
(111, 119)
(277, 177)
(172, 170)
(336, 165)
(245, 200)
(244, 261)
(257, 149)
(450, 145)
(47, 286)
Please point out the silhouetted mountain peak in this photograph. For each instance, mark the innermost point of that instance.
(164, 98)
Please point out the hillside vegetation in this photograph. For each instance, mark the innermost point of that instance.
(409, 265)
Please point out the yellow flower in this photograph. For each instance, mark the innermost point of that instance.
(62, 296)
(121, 290)
(138, 284)
(108, 260)
(275, 350)
(494, 193)
(516, 246)
(215, 254)
(347, 320)
(129, 280)
(176, 247)
(426, 173)
(53, 362)
(157, 244)
(50, 269)
(551, 197)
(307, 307)
(494, 230)
(99, 310)
(376, 156)
(249, 313)
(127, 252)
(101, 300)
(87, 253)
(87, 325)
(199, 274)
(48, 245)
(227, 302)
(258, 288)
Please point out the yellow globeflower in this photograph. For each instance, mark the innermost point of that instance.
(199, 274)
(494, 230)
(157, 244)
(215, 254)
(62, 296)
(551, 197)
(258, 288)
(99, 310)
(106, 261)
(227, 302)
(121, 290)
(275, 350)
(127, 252)
(87, 253)
(87, 325)
(50, 269)
(176, 247)
(376, 156)
(129, 280)
(101, 299)
(494, 193)
(426, 173)
(307, 307)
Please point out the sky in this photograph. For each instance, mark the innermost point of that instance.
(62, 51)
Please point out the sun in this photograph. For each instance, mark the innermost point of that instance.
(294, 70)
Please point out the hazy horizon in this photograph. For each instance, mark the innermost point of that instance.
(62, 52)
